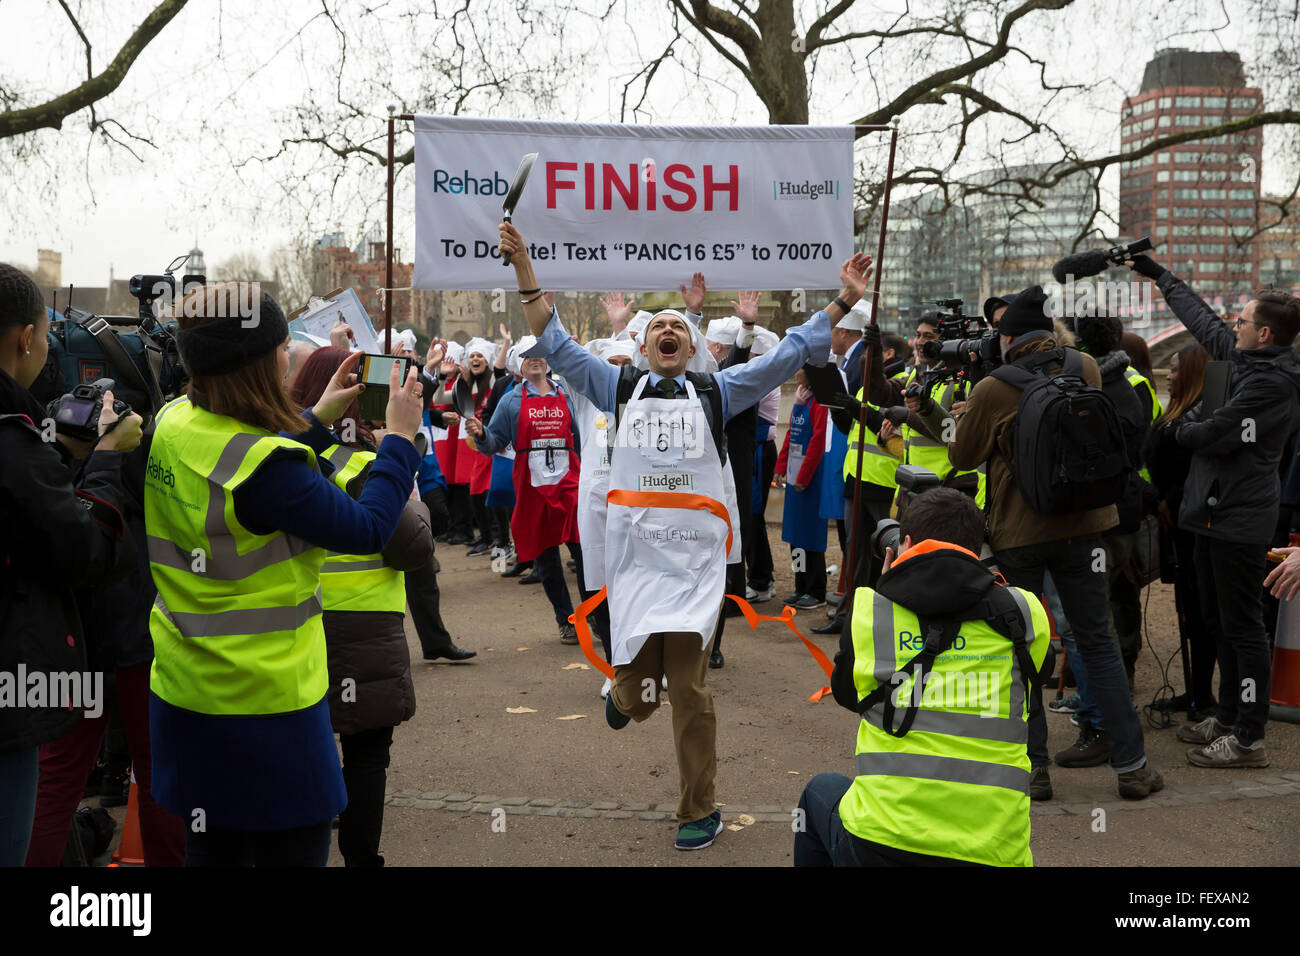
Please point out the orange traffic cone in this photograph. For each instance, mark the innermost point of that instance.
(1284, 681)
(131, 849)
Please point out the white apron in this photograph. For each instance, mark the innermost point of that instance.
(665, 567)
(593, 483)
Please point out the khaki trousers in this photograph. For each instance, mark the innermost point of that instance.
(637, 693)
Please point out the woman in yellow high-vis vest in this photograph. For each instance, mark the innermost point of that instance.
(239, 517)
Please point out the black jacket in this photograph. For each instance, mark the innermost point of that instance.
(370, 646)
(1136, 422)
(1233, 488)
(54, 539)
(1169, 462)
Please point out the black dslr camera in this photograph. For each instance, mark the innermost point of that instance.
(76, 414)
(960, 335)
(912, 480)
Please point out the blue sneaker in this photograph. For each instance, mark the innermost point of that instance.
(613, 716)
(700, 833)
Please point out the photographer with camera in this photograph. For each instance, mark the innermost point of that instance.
(1015, 423)
(926, 382)
(48, 523)
(940, 677)
(239, 518)
(1231, 500)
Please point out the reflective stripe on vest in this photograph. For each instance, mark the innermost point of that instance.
(956, 785)
(1139, 381)
(878, 465)
(358, 582)
(236, 625)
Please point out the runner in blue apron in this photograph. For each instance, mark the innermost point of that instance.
(802, 526)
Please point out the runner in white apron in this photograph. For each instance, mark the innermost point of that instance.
(665, 567)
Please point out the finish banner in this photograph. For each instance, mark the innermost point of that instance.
(637, 208)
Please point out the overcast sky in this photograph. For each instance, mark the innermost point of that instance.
(217, 86)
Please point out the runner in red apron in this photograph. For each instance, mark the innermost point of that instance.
(546, 476)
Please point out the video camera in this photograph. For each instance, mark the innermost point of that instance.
(145, 363)
(960, 336)
(76, 414)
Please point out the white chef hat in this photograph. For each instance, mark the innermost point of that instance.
(858, 318)
(406, 339)
(723, 330)
(638, 322)
(764, 341)
(483, 347)
(455, 353)
(606, 349)
(515, 354)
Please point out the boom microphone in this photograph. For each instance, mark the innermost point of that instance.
(1095, 261)
(1081, 265)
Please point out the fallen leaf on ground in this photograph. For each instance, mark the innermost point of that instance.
(795, 772)
(520, 710)
(572, 717)
(744, 819)
(575, 666)
(733, 827)
(523, 648)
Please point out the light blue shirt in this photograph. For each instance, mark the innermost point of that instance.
(739, 386)
(504, 427)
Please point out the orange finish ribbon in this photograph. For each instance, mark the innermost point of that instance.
(579, 621)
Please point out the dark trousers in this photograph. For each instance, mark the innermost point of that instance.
(1072, 562)
(300, 846)
(423, 597)
(365, 774)
(759, 557)
(551, 570)
(1201, 650)
(1229, 574)
(823, 841)
(812, 580)
(66, 762)
(1125, 598)
(500, 527)
(478, 506)
(460, 518)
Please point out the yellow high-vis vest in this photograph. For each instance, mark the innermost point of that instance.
(236, 625)
(878, 465)
(358, 582)
(922, 450)
(1140, 382)
(956, 784)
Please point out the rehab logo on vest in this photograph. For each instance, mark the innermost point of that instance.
(666, 482)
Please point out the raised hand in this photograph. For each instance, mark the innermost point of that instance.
(505, 334)
(339, 392)
(694, 296)
(854, 273)
(342, 336)
(618, 308)
(747, 307)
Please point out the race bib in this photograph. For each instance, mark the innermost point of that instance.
(548, 461)
(666, 437)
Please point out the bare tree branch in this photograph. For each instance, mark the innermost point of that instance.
(52, 113)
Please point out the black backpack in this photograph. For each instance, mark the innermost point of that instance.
(1067, 443)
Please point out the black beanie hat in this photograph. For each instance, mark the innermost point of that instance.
(1027, 312)
(228, 344)
(993, 303)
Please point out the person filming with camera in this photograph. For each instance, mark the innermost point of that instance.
(56, 536)
(1028, 435)
(1231, 500)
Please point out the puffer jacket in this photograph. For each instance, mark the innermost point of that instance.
(1136, 422)
(53, 538)
(1233, 487)
(370, 646)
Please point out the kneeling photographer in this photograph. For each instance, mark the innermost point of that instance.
(1027, 436)
(55, 534)
(940, 677)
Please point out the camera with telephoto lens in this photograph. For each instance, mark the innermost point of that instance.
(959, 336)
(912, 480)
(76, 414)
